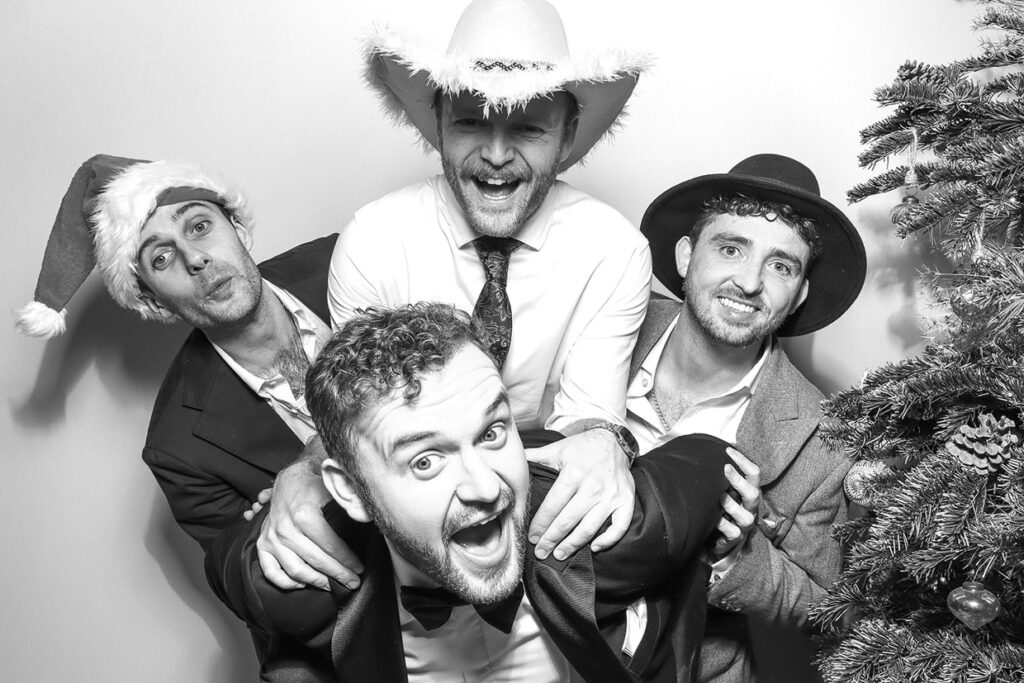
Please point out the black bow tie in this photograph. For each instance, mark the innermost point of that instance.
(432, 607)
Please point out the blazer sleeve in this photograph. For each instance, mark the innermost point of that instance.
(233, 571)
(201, 505)
(678, 489)
(777, 579)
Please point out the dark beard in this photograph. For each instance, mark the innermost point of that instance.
(437, 564)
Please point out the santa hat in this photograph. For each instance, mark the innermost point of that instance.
(507, 52)
(98, 224)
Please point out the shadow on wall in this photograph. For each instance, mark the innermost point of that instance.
(181, 561)
(131, 356)
(894, 270)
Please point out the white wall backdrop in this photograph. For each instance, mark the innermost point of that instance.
(98, 583)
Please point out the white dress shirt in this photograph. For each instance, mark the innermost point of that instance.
(718, 415)
(578, 289)
(275, 391)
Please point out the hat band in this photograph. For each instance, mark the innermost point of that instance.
(514, 65)
(176, 195)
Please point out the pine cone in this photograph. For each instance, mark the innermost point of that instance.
(911, 69)
(986, 446)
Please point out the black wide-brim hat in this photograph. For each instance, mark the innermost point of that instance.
(837, 274)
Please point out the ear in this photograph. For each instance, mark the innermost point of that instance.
(343, 489)
(568, 138)
(158, 310)
(684, 250)
(805, 289)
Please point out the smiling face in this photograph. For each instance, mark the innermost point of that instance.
(502, 166)
(193, 265)
(445, 478)
(743, 277)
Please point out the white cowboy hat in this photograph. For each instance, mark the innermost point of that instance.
(508, 52)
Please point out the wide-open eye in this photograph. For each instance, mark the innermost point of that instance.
(496, 434)
(729, 250)
(426, 464)
(199, 227)
(161, 259)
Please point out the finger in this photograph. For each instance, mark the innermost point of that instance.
(264, 496)
(728, 530)
(620, 520)
(311, 559)
(565, 523)
(248, 515)
(274, 573)
(750, 494)
(741, 516)
(298, 569)
(559, 495)
(586, 529)
(749, 469)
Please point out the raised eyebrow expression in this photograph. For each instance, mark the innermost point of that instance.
(420, 441)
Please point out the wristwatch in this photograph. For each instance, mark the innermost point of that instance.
(624, 437)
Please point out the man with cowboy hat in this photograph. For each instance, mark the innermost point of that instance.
(754, 254)
(559, 279)
(426, 460)
(172, 242)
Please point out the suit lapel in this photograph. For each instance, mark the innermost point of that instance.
(777, 422)
(367, 643)
(660, 314)
(233, 417)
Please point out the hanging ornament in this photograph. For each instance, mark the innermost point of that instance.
(986, 447)
(862, 482)
(973, 604)
(905, 209)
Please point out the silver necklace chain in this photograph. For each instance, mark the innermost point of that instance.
(653, 400)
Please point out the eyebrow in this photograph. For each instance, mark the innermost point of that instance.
(410, 439)
(723, 237)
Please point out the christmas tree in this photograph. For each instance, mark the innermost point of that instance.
(933, 587)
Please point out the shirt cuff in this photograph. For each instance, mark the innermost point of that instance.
(720, 568)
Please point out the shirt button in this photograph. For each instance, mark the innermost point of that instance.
(643, 381)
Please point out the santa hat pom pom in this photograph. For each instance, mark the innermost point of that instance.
(39, 320)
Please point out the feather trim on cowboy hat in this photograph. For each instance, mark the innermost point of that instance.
(507, 52)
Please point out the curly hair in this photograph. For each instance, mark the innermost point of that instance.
(376, 353)
(742, 205)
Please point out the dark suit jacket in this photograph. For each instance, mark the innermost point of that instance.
(213, 444)
(355, 635)
(792, 557)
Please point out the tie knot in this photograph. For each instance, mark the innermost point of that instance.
(497, 246)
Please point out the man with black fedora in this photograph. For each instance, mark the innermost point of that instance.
(559, 280)
(754, 254)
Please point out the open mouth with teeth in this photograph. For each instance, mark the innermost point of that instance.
(496, 189)
(736, 306)
(484, 543)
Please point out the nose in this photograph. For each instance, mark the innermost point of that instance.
(748, 277)
(480, 483)
(497, 148)
(196, 260)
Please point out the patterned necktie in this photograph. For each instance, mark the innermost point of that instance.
(492, 308)
(432, 607)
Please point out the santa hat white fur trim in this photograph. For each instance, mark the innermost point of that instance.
(39, 320)
(126, 204)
